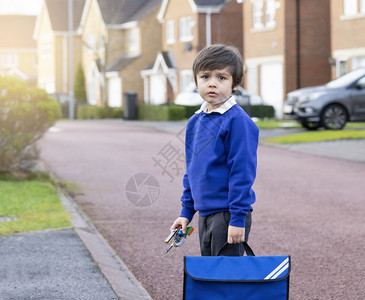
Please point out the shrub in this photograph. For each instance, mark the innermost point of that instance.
(25, 115)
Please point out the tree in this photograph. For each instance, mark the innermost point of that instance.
(79, 86)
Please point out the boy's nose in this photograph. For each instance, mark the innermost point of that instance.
(212, 82)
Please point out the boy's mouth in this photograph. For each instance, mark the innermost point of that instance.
(212, 94)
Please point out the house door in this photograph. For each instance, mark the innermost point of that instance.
(115, 92)
(271, 86)
(157, 89)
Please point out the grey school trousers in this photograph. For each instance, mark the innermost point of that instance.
(213, 233)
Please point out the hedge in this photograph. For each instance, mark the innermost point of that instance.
(258, 111)
(98, 112)
(164, 112)
(161, 112)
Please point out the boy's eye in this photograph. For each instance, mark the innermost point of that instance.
(221, 77)
(205, 76)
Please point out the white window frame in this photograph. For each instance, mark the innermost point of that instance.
(362, 6)
(185, 29)
(133, 40)
(350, 7)
(91, 43)
(270, 11)
(9, 61)
(170, 31)
(340, 63)
(186, 80)
(257, 14)
(252, 79)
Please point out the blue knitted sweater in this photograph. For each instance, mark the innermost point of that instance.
(221, 161)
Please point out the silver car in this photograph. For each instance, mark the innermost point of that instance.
(330, 105)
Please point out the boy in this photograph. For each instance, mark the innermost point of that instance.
(221, 151)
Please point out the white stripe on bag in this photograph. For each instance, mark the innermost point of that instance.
(280, 269)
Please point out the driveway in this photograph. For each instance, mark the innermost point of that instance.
(308, 206)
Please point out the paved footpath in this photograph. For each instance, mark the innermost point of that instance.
(308, 206)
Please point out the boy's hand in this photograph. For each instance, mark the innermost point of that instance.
(236, 235)
(180, 222)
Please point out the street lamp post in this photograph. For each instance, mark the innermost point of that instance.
(71, 106)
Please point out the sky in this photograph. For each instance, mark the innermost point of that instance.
(23, 7)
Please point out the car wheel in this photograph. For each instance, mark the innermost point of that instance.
(334, 117)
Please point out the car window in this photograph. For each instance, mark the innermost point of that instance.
(361, 81)
(346, 79)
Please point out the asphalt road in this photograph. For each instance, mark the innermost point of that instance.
(308, 206)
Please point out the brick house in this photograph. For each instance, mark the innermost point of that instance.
(51, 33)
(18, 50)
(347, 35)
(187, 27)
(286, 47)
(120, 39)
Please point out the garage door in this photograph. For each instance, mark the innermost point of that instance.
(271, 86)
(157, 89)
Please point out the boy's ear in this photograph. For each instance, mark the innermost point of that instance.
(234, 88)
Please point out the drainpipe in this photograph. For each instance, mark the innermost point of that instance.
(298, 43)
(208, 27)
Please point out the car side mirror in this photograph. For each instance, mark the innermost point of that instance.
(360, 85)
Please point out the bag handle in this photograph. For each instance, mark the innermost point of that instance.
(248, 249)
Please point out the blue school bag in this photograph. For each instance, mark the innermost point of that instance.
(236, 277)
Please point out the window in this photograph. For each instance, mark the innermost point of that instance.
(170, 32)
(362, 6)
(185, 29)
(257, 14)
(91, 43)
(353, 7)
(349, 7)
(133, 40)
(270, 10)
(341, 66)
(186, 80)
(9, 61)
(263, 19)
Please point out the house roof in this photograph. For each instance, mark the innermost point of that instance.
(166, 58)
(16, 31)
(119, 64)
(58, 13)
(209, 2)
(116, 12)
(200, 6)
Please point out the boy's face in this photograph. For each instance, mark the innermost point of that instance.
(215, 86)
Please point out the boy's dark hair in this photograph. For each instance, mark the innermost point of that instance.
(217, 57)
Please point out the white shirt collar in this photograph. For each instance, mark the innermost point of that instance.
(221, 109)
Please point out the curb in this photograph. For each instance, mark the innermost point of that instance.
(121, 279)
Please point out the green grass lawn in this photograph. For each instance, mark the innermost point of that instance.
(272, 123)
(318, 136)
(351, 131)
(34, 204)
